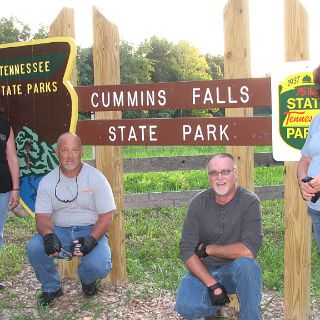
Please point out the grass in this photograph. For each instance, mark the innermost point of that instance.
(152, 235)
(166, 151)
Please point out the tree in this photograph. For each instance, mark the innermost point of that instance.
(158, 51)
(174, 62)
(85, 66)
(42, 33)
(216, 66)
(13, 30)
(134, 66)
(188, 63)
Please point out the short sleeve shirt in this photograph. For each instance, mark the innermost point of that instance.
(90, 190)
(311, 149)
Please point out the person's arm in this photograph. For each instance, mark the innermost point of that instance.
(52, 244)
(44, 223)
(198, 269)
(217, 293)
(13, 164)
(307, 189)
(302, 167)
(188, 242)
(230, 251)
(251, 234)
(102, 225)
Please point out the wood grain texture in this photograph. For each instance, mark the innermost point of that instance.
(106, 62)
(297, 249)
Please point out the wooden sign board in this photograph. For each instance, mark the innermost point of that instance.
(229, 93)
(239, 131)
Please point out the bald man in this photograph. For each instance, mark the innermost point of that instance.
(73, 211)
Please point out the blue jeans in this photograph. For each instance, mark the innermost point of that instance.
(93, 266)
(241, 276)
(315, 216)
(4, 207)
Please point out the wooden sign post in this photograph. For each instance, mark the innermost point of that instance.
(297, 254)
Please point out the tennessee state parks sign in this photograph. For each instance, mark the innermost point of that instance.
(295, 103)
(40, 103)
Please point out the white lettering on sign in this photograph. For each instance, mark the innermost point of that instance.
(128, 99)
(207, 97)
(206, 133)
(132, 133)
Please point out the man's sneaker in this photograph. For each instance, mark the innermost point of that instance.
(89, 289)
(47, 298)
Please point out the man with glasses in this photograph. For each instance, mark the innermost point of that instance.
(73, 214)
(220, 239)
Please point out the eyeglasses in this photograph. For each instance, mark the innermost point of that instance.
(63, 200)
(224, 172)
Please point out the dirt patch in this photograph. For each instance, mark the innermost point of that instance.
(113, 303)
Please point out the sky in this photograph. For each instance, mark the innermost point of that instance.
(198, 22)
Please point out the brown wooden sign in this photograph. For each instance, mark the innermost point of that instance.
(229, 93)
(37, 97)
(239, 131)
(34, 90)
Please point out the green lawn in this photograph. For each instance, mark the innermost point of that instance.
(152, 235)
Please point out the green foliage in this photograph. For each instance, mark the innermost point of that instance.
(167, 151)
(152, 246)
(85, 66)
(268, 177)
(189, 180)
(17, 233)
(175, 62)
(42, 33)
(188, 63)
(216, 66)
(158, 51)
(134, 66)
(13, 30)
(165, 181)
(271, 254)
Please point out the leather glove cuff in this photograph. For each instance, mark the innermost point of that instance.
(87, 244)
(200, 250)
(218, 299)
(52, 243)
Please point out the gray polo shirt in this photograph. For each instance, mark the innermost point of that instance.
(206, 221)
(94, 197)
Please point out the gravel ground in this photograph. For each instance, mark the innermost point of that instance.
(123, 302)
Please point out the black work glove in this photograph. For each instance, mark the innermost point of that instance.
(200, 250)
(218, 299)
(87, 244)
(52, 243)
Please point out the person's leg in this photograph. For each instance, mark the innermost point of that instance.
(44, 265)
(4, 207)
(315, 216)
(97, 263)
(192, 299)
(243, 277)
